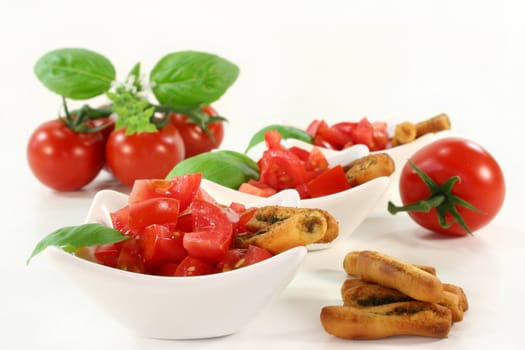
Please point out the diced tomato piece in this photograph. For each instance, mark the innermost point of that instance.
(234, 259)
(107, 254)
(261, 191)
(184, 188)
(333, 135)
(281, 169)
(185, 223)
(273, 139)
(316, 160)
(331, 181)
(212, 232)
(130, 258)
(380, 136)
(301, 153)
(240, 226)
(160, 245)
(255, 254)
(159, 210)
(314, 126)
(192, 266)
(345, 127)
(362, 133)
(237, 207)
(120, 219)
(167, 269)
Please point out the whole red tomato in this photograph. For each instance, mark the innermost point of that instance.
(478, 180)
(196, 141)
(63, 159)
(146, 155)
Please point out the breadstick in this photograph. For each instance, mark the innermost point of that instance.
(438, 123)
(404, 132)
(299, 229)
(394, 273)
(371, 294)
(269, 215)
(451, 301)
(369, 167)
(403, 318)
(363, 294)
(462, 297)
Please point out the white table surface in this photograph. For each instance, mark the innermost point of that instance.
(299, 60)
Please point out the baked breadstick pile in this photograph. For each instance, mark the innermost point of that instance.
(385, 297)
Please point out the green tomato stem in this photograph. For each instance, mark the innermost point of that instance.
(441, 197)
(424, 205)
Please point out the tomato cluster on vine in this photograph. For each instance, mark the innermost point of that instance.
(134, 137)
(65, 159)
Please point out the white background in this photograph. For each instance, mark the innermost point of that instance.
(299, 60)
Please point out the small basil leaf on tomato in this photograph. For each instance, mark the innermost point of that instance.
(227, 168)
(75, 73)
(287, 132)
(190, 78)
(71, 238)
(134, 113)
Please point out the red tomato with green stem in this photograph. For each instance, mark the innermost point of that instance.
(196, 140)
(64, 159)
(145, 155)
(451, 186)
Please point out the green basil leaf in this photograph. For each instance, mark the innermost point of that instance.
(227, 168)
(190, 78)
(75, 73)
(287, 132)
(71, 238)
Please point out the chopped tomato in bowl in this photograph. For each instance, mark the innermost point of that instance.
(189, 276)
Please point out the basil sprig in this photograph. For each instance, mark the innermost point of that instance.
(75, 73)
(287, 132)
(71, 238)
(227, 168)
(182, 82)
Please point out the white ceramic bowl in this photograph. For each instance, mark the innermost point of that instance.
(350, 207)
(181, 307)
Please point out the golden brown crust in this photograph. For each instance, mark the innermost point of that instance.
(430, 269)
(372, 294)
(358, 293)
(281, 228)
(394, 273)
(368, 168)
(375, 322)
(404, 132)
(438, 123)
(265, 217)
(451, 301)
(462, 297)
